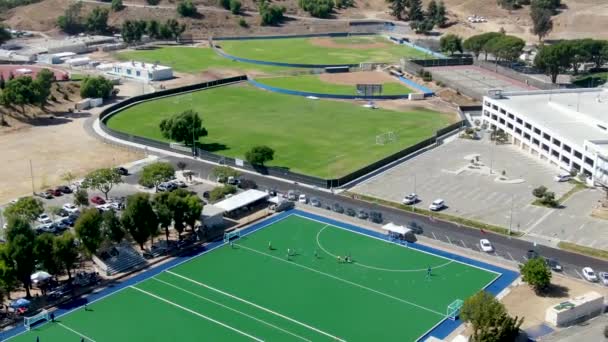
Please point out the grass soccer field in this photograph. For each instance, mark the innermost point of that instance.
(320, 50)
(314, 84)
(191, 59)
(315, 137)
(249, 291)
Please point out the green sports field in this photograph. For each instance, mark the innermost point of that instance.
(347, 50)
(252, 292)
(312, 83)
(315, 137)
(192, 60)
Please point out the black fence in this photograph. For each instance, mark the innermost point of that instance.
(439, 62)
(284, 173)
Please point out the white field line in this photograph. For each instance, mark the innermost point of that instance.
(255, 305)
(74, 331)
(231, 309)
(347, 282)
(374, 267)
(197, 314)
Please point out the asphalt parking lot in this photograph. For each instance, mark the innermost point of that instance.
(443, 173)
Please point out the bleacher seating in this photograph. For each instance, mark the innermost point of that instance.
(121, 258)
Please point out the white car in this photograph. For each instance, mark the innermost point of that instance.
(486, 245)
(437, 205)
(70, 208)
(589, 274)
(44, 219)
(303, 199)
(104, 207)
(410, 199)
(562, 177)
(604, 278)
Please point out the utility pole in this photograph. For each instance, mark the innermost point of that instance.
(32, 176)
(511, 216)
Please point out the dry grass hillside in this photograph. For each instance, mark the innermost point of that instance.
(579, 18)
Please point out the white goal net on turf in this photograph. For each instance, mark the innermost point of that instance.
(29, 321)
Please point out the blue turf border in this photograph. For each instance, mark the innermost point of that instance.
(441, 330)
(324, 95)
(426, 91)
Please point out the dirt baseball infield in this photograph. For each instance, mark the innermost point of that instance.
(361, 77)
(330, 43)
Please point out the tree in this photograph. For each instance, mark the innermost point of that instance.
(154, 174)
(536, 273)
(111, 227)
(258, 155)
(551, 5)
(66, 252)
(96, 87)
(317, 8)
(81, 197)
(489, 319)
(235, 6)
(580, 53)
(88, 230)
(44, 252)
(476, 44)
(160, 204)
(505, 47)
(117, 5)
(539, 192)
(185, 127)
(422, 26)
(71, 22)
(219, 192)
(194, 207)
(398, 8)
(68, 177)
(553, 59)
(20, 238)
(541, 22)
(440, 18)
(139, 219)
(174, 28)
(549, 200)
(224, 3)
(97, 21)
(102, 180)
(131, 32)
(5, 35)
(451, 43)
(20, 91)
(42, 84)
(271, 14)
(153, 29)
(414, 11)
(28, 208)
(431, 10)
(186, 8)
(8, 276)
(181, 165)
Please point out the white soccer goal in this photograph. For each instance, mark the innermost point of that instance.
(385, 138)
(232, 235)
(454, 309)
(29, 321)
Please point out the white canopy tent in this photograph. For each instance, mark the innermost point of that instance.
(241, 200)
(393, 228)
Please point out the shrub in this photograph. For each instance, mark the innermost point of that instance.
(271, 15)
(221, 191)
(153, 2)
(235, 6)
(243, 23)
(539, 192)
(186, 9)
(317, 8)
(53, 98)
(225, 4)
(549, 199)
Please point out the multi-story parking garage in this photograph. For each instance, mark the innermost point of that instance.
(567, 128)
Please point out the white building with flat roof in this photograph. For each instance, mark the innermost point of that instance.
(567, 128)
(142, 71)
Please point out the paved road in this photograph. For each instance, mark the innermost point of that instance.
(509, 248)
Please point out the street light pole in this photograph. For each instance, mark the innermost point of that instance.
(32, 176)
(511, 216)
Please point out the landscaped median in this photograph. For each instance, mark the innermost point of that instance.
(592, 252)
(442, 216)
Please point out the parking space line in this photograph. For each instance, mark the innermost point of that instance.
(450, 241)
(580, 275)
(434, 236)
(510, 256)
(463, 244)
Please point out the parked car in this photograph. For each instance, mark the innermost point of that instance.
(64, 189)
(562, 177)
(531, 254)
(233, 181)
(166, 186)
(415, 227)
(104, 207)
(179, 183)
(554, 264)
(315, 202)
(70, 208)
(375, 216)
(63, 213)
(337, 208)
(604, 278)
(122, 171)
(292, 195)
(43, 195)
(54, 192)
(351, 212)
(362, 214)
(97, 200)
(61, 226)
(117, 205)
(46, 228)
(44, 218)
(302, 199)
(410, 199)
(437, 205)
(486, 245)
(589, 274)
